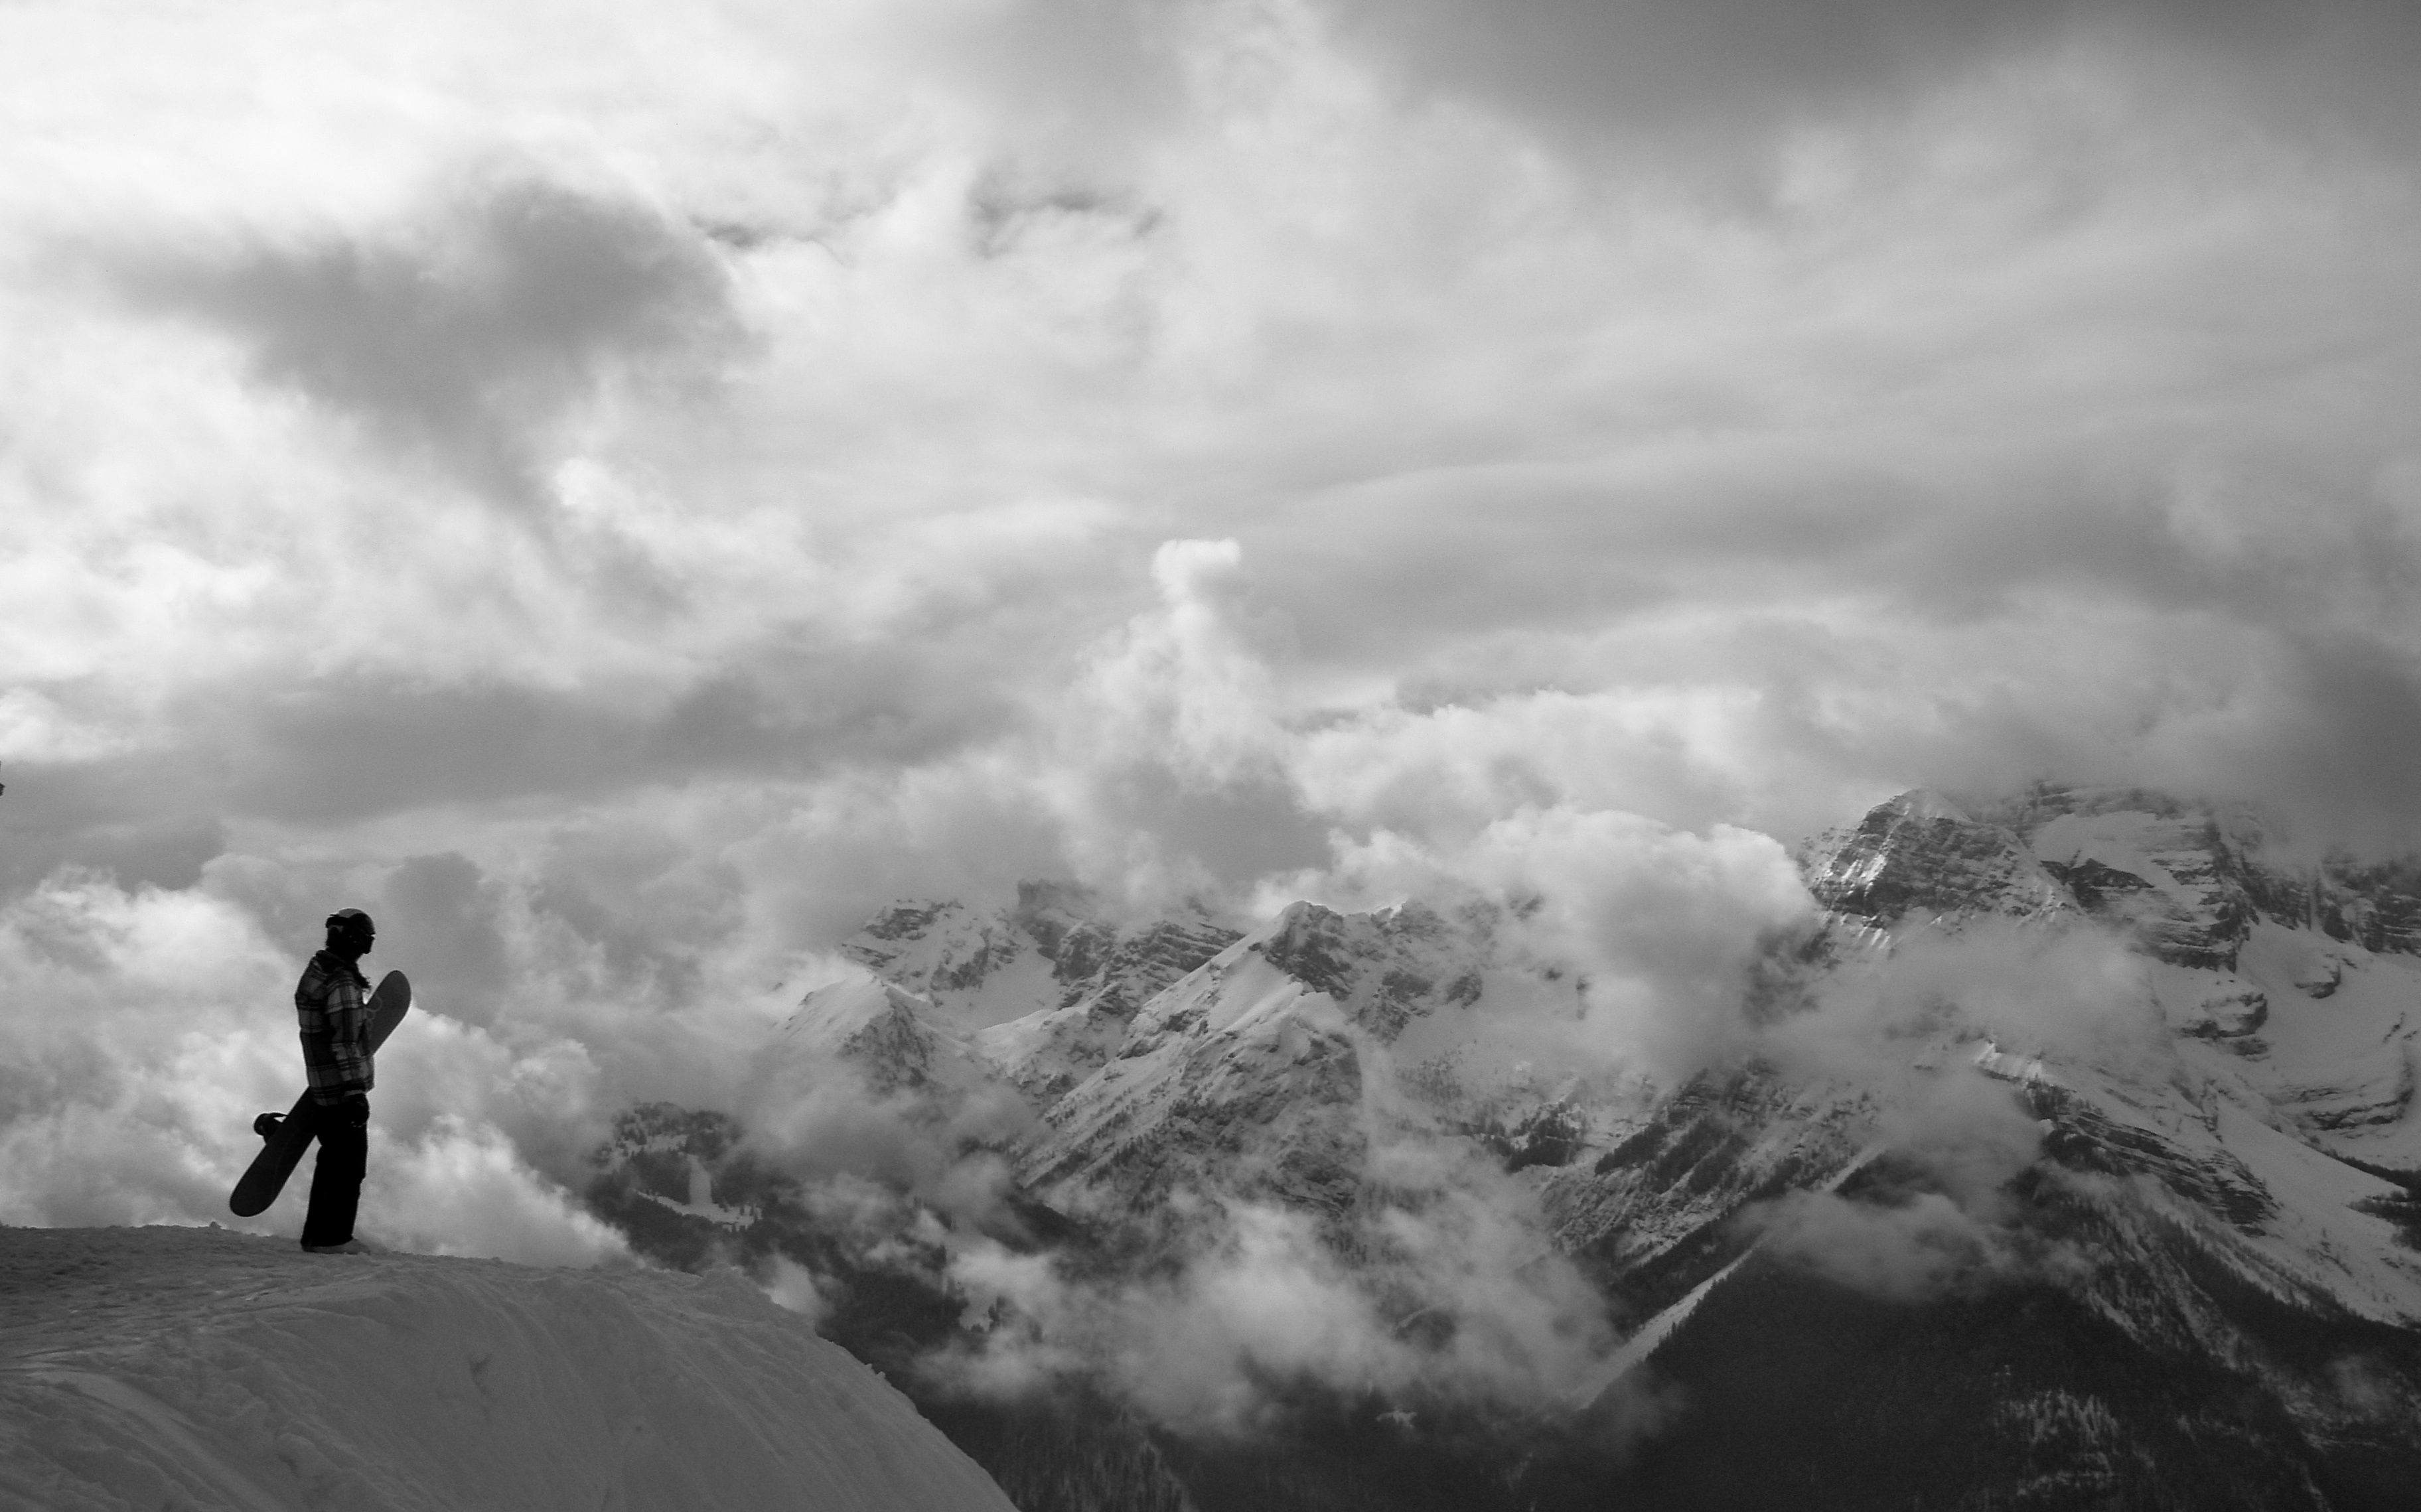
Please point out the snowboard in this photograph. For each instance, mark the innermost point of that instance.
(288, 1137)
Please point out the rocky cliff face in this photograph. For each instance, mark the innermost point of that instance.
(1918, 857)
(2167, 1185)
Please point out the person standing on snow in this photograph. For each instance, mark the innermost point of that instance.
(331, 1004)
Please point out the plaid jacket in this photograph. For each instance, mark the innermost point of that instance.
(332, 1003)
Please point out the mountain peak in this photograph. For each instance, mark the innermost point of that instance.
(1920, 853)
(1923, 804)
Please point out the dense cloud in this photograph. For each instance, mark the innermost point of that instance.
(1265, 1305)
(1725, 74)
(623, 506)
(469, 338)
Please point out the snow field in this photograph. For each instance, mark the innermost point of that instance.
(185, 1370)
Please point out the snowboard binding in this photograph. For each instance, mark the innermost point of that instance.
(267, 1124)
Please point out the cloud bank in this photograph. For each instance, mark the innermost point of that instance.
(622, 496)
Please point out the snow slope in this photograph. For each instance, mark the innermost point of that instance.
(166, 1368)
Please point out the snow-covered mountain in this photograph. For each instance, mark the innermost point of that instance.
(2079, 1128)
(1044, 992)
(2293, 985)
(202, 1370)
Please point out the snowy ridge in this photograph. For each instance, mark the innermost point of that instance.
(1043, 991)
(895, 1040)
(200, 1370)
(1255, 1073)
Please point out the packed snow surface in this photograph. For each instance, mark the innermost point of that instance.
(193, 1369)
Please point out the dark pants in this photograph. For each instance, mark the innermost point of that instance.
(343, 1131)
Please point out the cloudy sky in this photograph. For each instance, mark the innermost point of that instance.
(621, 491)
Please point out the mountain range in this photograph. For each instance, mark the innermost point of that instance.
(2066, 1153)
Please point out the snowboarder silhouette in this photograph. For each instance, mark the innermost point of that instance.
(331, 1005)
